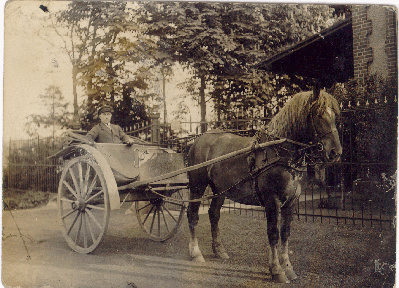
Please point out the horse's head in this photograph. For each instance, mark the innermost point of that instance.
(322, 117)
(310, 117)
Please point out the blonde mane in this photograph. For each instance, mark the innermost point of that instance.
(292, 120)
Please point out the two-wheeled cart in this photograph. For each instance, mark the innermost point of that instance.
(97, 177)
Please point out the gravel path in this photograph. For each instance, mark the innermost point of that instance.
(323, 255)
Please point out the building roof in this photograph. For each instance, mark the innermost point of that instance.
(326, 56)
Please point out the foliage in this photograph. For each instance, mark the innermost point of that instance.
(265, 92)
(103, 55)
(370, 120)
(223, 42)
(22, 199)
(55, 116)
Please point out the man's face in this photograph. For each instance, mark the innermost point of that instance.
(105, 117)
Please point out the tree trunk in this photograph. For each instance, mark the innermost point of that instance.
(110, 82)
(164, 95)
(76, 122)
(202, 103)
(218, 110)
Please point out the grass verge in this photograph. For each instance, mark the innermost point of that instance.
(24, 199)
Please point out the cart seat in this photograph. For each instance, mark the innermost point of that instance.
(141, 162)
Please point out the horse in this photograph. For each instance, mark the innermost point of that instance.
(307, 118)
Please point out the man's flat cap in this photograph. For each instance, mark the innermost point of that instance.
(105, 108)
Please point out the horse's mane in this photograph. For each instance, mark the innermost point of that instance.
(292, 120)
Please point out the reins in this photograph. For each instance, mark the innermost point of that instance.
(255, 172)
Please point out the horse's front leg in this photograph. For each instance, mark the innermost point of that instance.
(272, 209)
(192, 216)
(214, 216)
(286, 217)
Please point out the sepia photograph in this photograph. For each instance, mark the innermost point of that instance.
(199, 144)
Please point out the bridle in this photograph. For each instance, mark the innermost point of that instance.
(317, 136)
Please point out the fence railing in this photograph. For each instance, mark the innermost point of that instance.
(28, 167)
(350, 191)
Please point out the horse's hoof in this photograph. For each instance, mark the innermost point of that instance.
(290, 274)
(280, 278)
(223, 256)
(199, 259)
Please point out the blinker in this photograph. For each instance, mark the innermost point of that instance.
(320, 147)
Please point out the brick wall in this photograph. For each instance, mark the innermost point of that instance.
(391, 47)
(362, 53)
(366, 20)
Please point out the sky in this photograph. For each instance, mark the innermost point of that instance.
(28, 65)
(34, 59)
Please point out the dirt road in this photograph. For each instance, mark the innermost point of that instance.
(323, 255)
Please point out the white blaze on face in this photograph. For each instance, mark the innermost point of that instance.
(330, 111)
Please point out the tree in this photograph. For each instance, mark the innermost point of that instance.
(75, 36)
(55, 115)
(223, 42)
(285, 25)
(101, 41)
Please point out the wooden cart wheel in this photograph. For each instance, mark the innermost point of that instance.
(83, 204)
(161, 218)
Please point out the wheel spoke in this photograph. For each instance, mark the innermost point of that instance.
(164, 219)
(153, 219)
(94, 196)
(79, 228)
(67, 200)
(166, 209)
(91, 230)
(144, 206)
(67, 214)
(84, 230)
(91, 186)
(86, 182)
(180, 196)
(159, 224)
(70, 189)
(95, 207)
(74, 181)
(148, 214)
(73, 223)
(94, 219)
(80, 178)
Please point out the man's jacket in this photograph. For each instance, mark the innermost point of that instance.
(103, 134)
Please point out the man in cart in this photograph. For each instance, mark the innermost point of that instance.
(105, 132)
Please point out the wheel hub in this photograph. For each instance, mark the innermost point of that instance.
(80, 204)
(157, 202)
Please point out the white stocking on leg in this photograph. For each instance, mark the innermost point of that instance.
(286, 217)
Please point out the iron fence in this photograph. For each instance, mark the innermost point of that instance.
(353, 191)
(27, 165)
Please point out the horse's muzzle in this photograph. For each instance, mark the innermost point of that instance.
(334, 155)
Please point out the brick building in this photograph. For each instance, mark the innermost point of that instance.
(362, 45)
(374, 41)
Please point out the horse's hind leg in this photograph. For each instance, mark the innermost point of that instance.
(192, 216)
(286, 217)
(214, 216)
(272, 209)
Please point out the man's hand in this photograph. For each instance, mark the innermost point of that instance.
(129, 142)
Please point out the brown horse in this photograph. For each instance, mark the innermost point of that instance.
(309, 117)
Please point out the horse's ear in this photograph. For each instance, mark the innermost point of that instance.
(316, 90)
